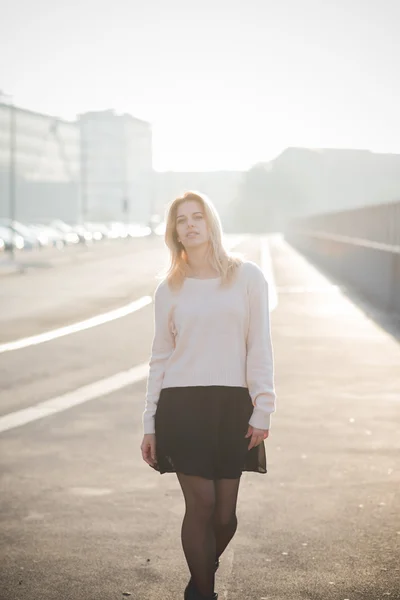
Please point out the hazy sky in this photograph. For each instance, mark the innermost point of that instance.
(225, 83)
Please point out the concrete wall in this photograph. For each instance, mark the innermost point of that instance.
(371, 266)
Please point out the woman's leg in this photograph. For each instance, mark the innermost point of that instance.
(198, 537)
(225, 520)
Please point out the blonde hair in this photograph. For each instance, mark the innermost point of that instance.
(226, 263)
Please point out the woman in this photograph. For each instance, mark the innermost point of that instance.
(210, 389)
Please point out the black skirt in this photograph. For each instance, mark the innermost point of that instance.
(200, 430)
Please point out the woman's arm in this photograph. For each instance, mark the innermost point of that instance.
(260, 362)
(162, 348)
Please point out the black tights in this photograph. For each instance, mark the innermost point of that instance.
(209, 524)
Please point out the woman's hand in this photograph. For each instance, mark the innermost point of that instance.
(257, 436)
(148, 448)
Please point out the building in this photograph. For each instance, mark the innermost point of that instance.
(307, 181)
(302, 182)
(39, 165)
(117, 170)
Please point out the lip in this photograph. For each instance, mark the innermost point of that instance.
(191, 234)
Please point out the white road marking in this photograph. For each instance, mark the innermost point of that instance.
(267, 269)
(230, 242)
(75, 327)
(87, 392)
(309, 289)
(79, 396)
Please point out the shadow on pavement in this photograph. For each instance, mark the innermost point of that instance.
(388, 321)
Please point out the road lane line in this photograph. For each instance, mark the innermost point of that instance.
(76, 327)
(231, 242)
(70, 399)
(267, 269)
(88, 392)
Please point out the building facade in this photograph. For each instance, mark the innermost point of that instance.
(116, 167)
(39, 165)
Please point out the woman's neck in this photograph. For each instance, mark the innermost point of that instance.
(200, 268)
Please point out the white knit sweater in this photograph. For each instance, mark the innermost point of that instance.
(207, 335)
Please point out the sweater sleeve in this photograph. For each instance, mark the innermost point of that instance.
(260, 363)
(162, 347)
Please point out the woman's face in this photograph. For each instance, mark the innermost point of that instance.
(191, 225)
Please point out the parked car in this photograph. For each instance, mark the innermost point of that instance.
(117, 230)
(49, 236)
(85, 236)
(71, 236)
(31, 242)
(104, 229)
(160, 228)
(68, 234)
(95, 230)
(137, 230)
(11, 239)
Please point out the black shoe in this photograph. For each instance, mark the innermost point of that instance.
(191, 593)
(190, 586)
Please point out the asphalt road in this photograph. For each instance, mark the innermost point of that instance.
(83, 517)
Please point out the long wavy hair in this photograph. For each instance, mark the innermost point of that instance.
(225, 262)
